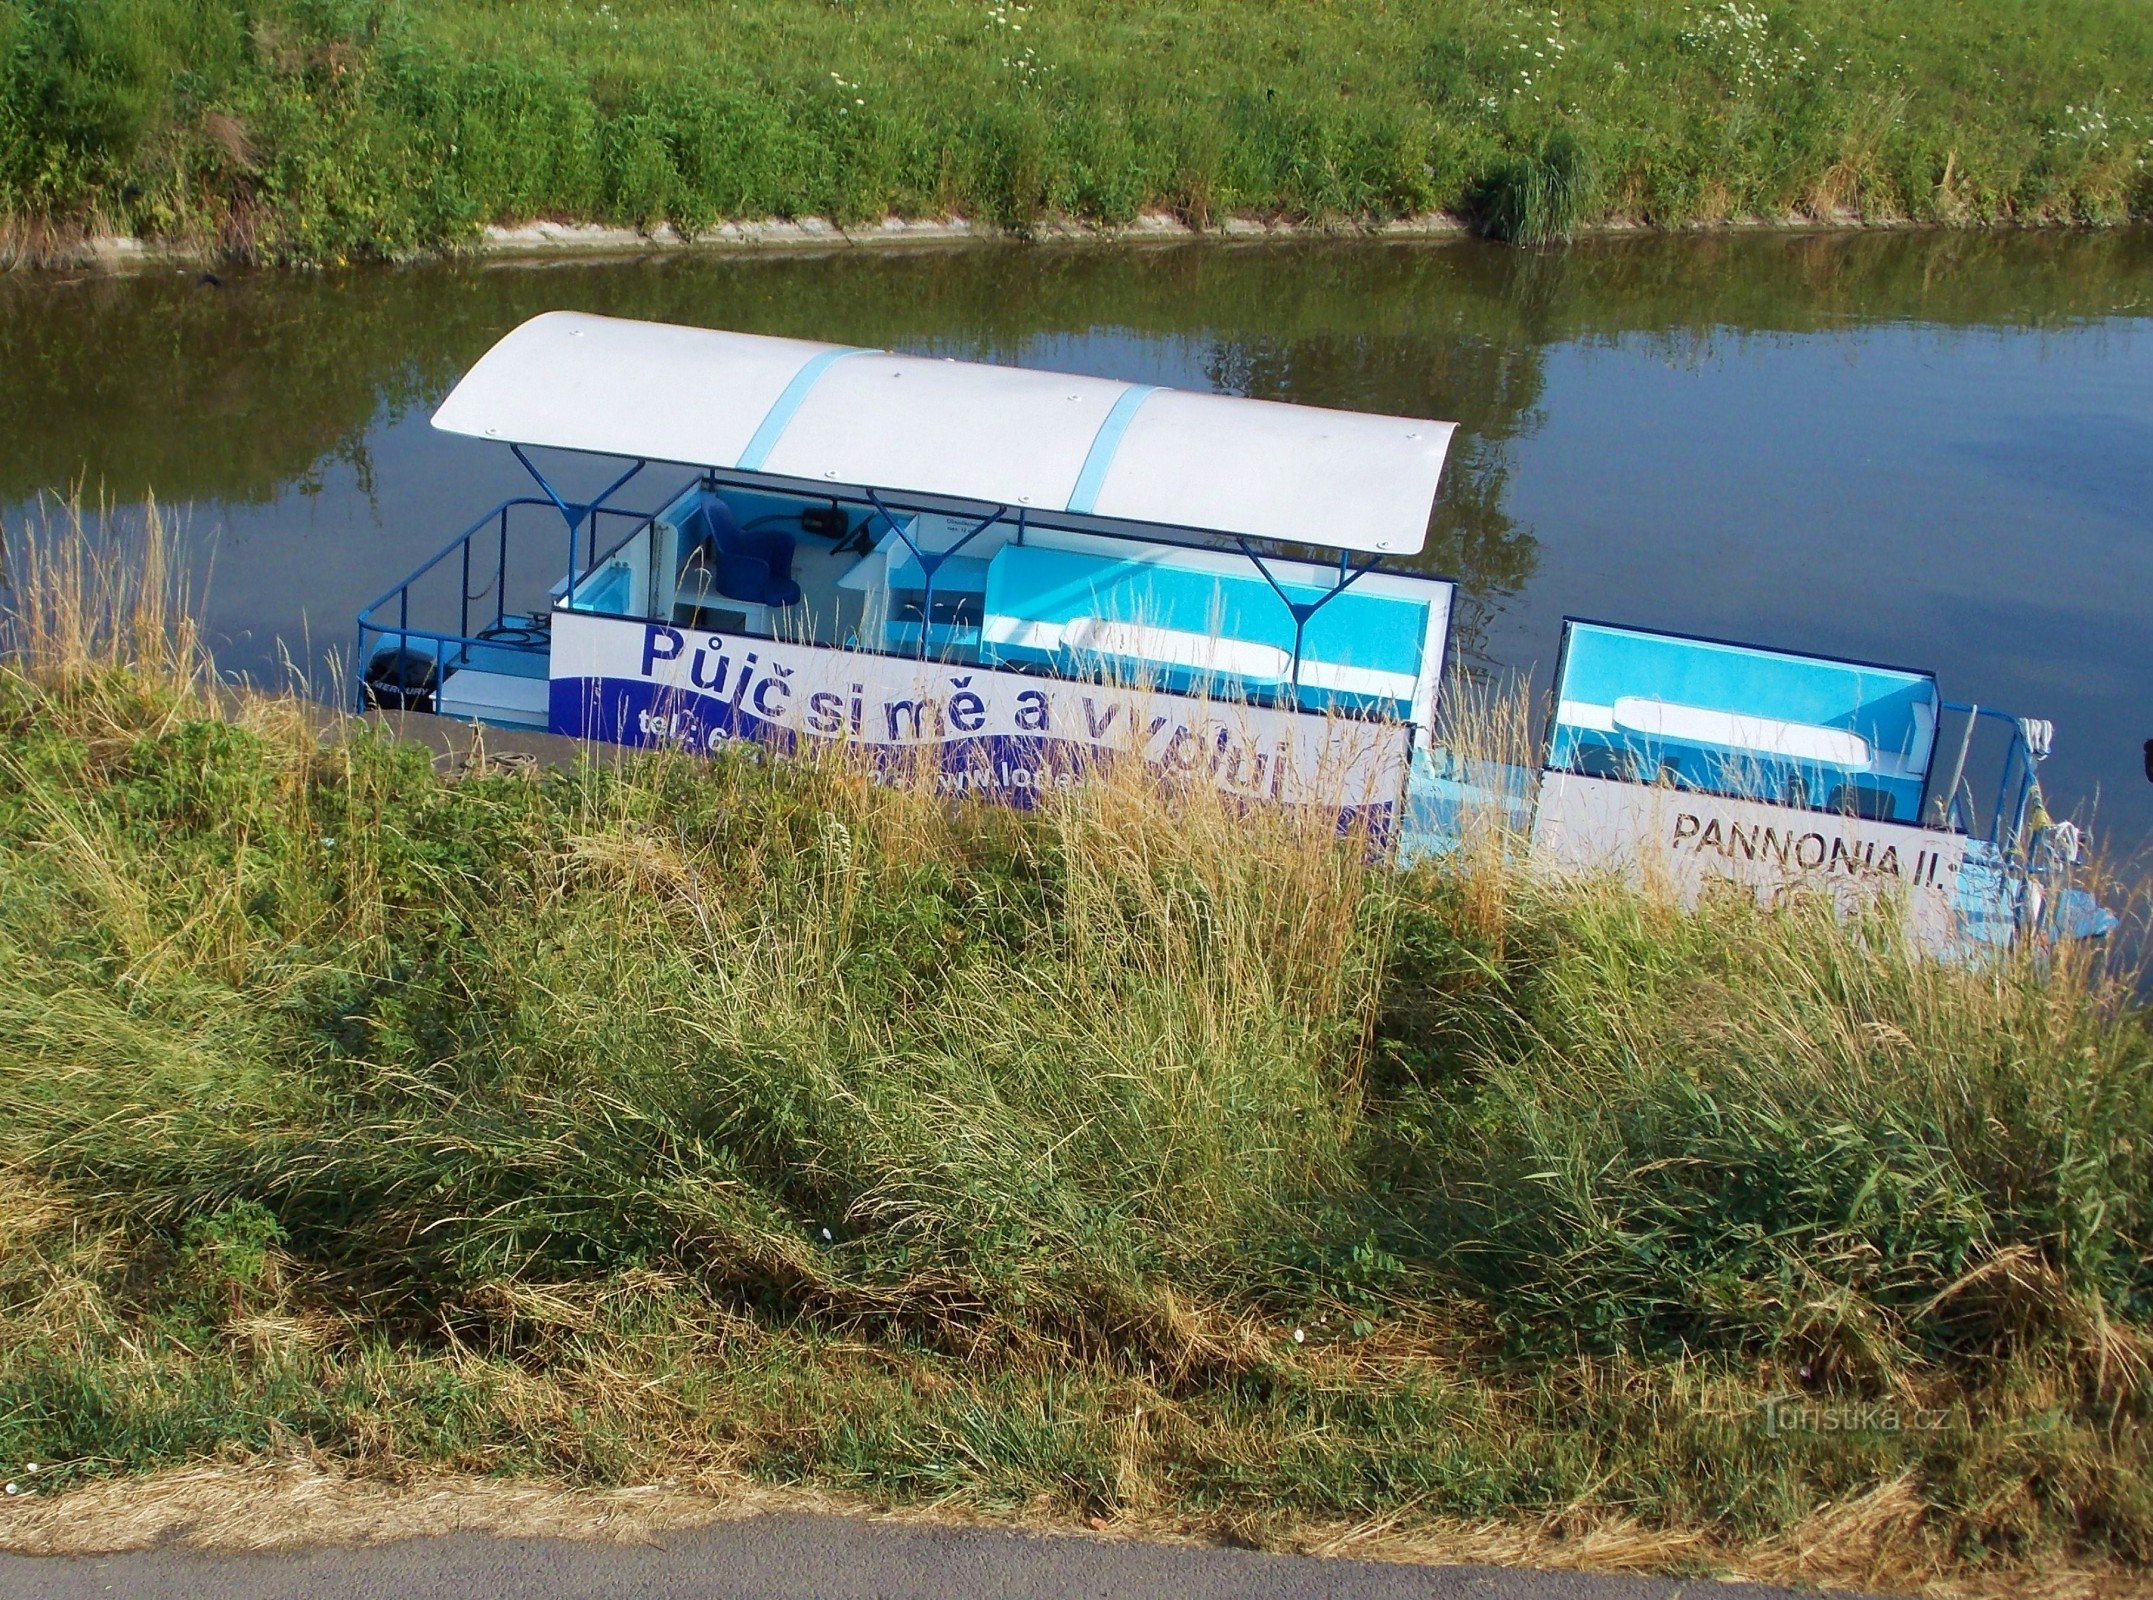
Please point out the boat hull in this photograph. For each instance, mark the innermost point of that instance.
(1686, 843)
(1001, 735)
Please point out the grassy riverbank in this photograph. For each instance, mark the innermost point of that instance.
(327, 129)
(737, 1121)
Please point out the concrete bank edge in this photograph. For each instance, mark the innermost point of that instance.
(553, 239)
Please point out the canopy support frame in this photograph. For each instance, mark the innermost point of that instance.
(576, 512)
(931, 560)
(1303, 610)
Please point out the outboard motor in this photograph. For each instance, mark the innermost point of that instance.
(399, 678)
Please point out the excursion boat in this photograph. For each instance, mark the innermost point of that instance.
(1011, 574)
(1699, 761)
(1013, 570)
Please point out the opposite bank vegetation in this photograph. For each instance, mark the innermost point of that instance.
(325, 130)
(1124, 1160)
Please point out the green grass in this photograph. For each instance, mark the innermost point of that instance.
(1124, 1160)
(326, 129)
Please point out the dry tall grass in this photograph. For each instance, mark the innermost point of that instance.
(1140, 1158)
(90, 593)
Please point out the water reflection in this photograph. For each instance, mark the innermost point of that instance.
(1492, 391)
(1929, 448)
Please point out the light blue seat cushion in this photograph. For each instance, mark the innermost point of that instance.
(1892, 711)
(1053, 589)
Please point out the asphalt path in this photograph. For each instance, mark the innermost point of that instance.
(801, 1557)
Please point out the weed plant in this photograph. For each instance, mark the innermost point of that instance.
(318, 130)
(1123, 1159)
(1542, 197)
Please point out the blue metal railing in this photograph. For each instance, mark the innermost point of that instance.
(2017, 783)
(433, 638)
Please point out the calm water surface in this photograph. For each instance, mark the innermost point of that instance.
(1929, 450)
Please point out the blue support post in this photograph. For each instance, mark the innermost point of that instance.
(574, 512)
(931, 560)
(1302, 610)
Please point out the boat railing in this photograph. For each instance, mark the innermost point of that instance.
(458, 601)
(1951, 801)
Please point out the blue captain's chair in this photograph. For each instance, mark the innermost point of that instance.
(753, 564)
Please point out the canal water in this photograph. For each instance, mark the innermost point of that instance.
(1932, 450)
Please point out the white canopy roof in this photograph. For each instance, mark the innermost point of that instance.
(1005, 435)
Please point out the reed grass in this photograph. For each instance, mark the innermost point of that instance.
(1133, 1159)
(1544, 195)
(316, 130)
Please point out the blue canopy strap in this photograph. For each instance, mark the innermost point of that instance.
(787, 405)
(1092, 478)
(930, 561)
(576, 512)
(1348, 576)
